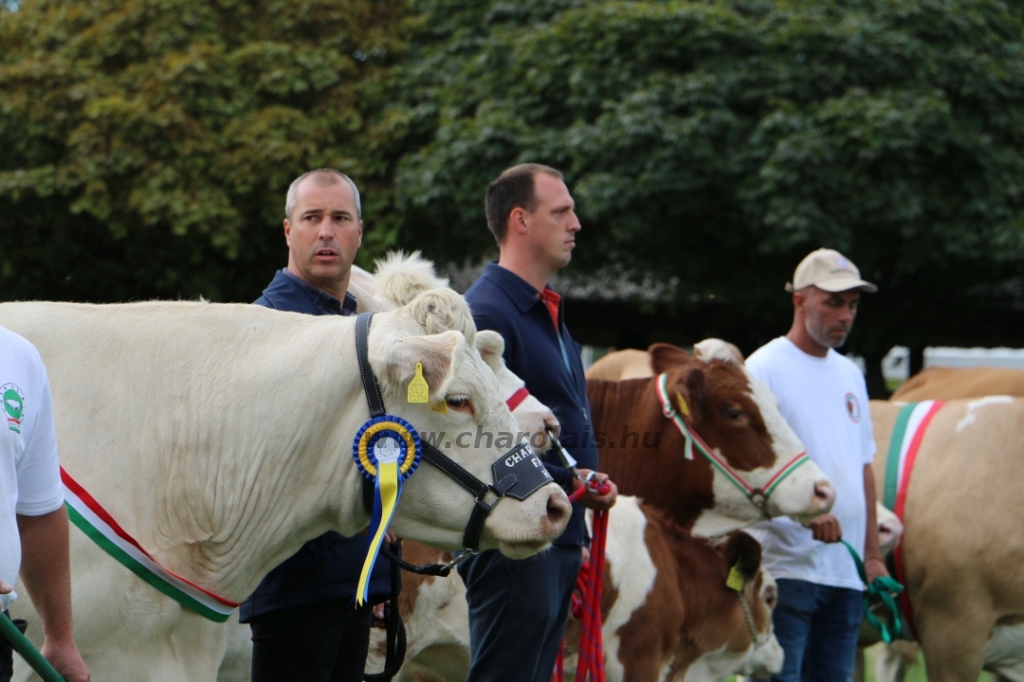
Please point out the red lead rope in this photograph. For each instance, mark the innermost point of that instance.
(587, 608)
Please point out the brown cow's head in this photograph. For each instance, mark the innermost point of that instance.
(738, 417)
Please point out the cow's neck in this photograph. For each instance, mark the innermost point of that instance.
(643, 470)
(248, 501)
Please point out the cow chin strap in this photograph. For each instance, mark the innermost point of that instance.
(476, 487)
(757, 496)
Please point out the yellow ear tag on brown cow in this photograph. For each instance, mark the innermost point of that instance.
(419, 391)
(735, 580)
(684, 409)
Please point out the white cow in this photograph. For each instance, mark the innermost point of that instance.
(398, 279)
(531, 416)
(962, 562)
(220, 436)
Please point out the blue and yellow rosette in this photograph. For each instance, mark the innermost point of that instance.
(387, 451)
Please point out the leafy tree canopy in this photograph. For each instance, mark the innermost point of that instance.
(147, 145)
(720, 141)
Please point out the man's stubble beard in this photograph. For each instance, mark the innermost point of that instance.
(814, 329)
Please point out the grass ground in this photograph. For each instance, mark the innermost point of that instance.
(916, 673)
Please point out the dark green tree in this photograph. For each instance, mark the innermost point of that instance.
(147, 145)
(717, 142)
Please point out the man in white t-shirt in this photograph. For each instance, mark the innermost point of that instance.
(824, 398)
(33, 522)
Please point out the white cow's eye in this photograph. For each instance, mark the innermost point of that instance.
(457, 402)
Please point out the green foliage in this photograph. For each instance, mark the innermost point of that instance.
(148, 144)
(720, 141)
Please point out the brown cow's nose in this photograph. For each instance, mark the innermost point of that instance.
(824, 495)
(558, 511)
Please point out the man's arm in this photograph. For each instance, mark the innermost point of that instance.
(874, 565)
(46, 573)
(595, 500)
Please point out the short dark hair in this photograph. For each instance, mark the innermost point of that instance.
(325, 177)
(513, 189)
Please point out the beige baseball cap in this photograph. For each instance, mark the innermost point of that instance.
(828, 270)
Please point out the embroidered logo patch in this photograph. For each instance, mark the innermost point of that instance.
(853, 407)
(14, 406)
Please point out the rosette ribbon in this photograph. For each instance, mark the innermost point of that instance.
(387, 451)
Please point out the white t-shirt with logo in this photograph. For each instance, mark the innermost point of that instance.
(29, 471)
(825, 401)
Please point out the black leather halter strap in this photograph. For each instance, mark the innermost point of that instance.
(476, 487)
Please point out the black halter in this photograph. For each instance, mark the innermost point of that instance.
(518, 473)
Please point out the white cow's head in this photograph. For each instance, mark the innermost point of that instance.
(466, 417)
(533, 417)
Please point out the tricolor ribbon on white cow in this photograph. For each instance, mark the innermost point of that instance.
(93, 520)
(908, 432)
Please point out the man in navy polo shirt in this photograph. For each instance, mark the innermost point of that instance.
(518, 609)
(305, 625)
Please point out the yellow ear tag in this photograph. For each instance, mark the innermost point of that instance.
(735, 580)
(684, 409)
(419, 391)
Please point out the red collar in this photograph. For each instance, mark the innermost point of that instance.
(551, 300)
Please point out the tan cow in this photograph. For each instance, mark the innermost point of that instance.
(220, 436)
(667, 612)
(736, 415)
(962, 542)
(629, 363)
(945, 383)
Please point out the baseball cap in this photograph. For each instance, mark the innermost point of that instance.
(828, 270)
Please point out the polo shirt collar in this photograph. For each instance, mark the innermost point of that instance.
(521, 292)
(319, 297)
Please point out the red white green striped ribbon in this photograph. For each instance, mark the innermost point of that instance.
(911, 424)
(693, 440)
(93, 520)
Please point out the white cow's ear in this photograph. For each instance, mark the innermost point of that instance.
(491, 346)
(436, 353)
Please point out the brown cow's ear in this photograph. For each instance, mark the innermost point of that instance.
(665, 357)
(694, 382)
(743, 551)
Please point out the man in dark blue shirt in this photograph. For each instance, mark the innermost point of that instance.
(305, 625)
(518, 609)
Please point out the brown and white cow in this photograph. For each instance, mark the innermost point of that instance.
(946, 383)
(668, 614)
(736, 415)
(963, 546)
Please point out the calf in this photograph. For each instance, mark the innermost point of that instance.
(669, 615)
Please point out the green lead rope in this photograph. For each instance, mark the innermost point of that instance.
(882, 589)
(28, 651)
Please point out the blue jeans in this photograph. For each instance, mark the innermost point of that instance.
(518, 612)
(817, 627)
